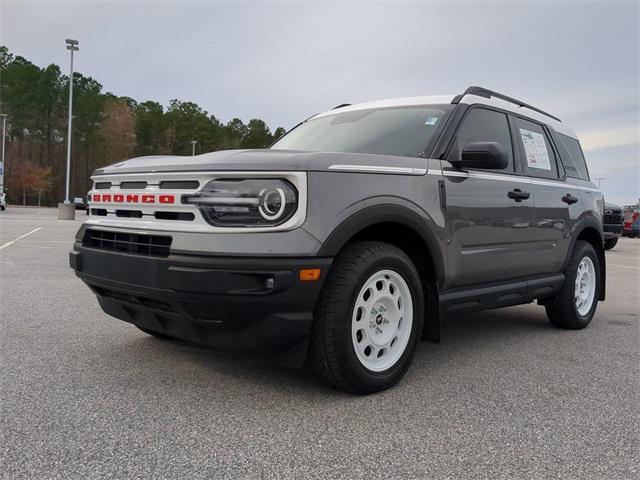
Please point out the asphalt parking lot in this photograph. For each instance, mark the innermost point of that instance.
(504, 395)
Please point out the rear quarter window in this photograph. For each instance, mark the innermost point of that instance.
(572, 157)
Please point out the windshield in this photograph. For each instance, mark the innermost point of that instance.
(402, 131)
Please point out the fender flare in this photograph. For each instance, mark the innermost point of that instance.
(593, 223)
(383, 213)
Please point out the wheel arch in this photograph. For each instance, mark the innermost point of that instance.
(409, 231)
(591, 231)
(398, 225)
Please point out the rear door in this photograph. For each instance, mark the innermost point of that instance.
(558, 203)
(489, 227)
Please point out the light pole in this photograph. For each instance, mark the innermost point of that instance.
(599, 179)
(193, 147)
(72, 46)
(66, 211)
(4, 135)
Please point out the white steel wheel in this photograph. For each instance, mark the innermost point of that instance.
(585, 289)
(382, 320)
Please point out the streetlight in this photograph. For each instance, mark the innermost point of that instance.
(599, 179)
(193, 147)
(4, 135)
(67, 211)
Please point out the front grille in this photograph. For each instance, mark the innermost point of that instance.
(613, 218)
(133, 185)
(131, 243)
(179, 184)
(129, 213)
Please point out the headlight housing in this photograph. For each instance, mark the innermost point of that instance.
(246, 202)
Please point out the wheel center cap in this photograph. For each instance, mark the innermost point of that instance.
(378, 319)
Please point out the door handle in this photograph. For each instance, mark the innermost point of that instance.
(570, 199)
(518, 195)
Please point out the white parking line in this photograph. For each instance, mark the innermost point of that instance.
(8, 244)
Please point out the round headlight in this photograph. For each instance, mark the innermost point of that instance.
(272, 203)
(249, 202)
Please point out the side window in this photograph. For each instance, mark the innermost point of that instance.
(538, 158)
(480, 125)
(572, 157)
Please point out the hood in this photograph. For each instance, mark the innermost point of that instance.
(257, 160)
(612, 206)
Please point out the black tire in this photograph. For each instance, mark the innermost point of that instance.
(562, 311)
(332, 353)
(609, 244)
(155, 334)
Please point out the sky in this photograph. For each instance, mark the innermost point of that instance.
(284, 61)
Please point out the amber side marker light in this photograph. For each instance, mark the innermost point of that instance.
(309, 274)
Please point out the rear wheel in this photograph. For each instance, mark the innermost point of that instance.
(609, 244)
(575, 305)
(368, 320)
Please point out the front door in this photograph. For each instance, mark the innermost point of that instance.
(489, 213)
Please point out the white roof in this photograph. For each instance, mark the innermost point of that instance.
(446, 99)
(391, 102)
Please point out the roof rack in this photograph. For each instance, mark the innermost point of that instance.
(486, 93)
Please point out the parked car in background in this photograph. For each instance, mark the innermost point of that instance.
(612, 224)
(79, 202)
(635, 228)
(3, 201)
(630, 213)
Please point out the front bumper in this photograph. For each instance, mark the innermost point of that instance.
(610, 230)
(229, 303)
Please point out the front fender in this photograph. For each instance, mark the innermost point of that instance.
(408, 215)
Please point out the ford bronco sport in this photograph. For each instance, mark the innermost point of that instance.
(350, 238)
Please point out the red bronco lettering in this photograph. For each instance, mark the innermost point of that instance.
(133, 198)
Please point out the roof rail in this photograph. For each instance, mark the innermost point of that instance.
(341, 105)
(486, 93)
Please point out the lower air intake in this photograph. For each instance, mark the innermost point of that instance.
(131, 243)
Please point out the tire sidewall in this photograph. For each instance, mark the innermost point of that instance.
(390, 376)
(586, 250)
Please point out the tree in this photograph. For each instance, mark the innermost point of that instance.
(279, 133)
(42, 182)
(187, 121)
(258, 135)
(234, 134)
(117, 131)
(106, 129)
(24, 178)
(151, 129)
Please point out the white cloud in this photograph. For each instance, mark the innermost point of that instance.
(611, 137)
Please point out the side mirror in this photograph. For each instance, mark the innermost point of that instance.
(489, 155)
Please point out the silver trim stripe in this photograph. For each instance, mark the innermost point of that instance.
(510, 178)
(379, 169)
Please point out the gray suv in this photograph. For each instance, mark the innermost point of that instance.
(350, 238)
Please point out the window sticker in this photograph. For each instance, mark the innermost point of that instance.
(431, 121)
(535, 149)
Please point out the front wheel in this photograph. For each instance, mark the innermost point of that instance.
(609, 244)
(368, 320)
(575, 305)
